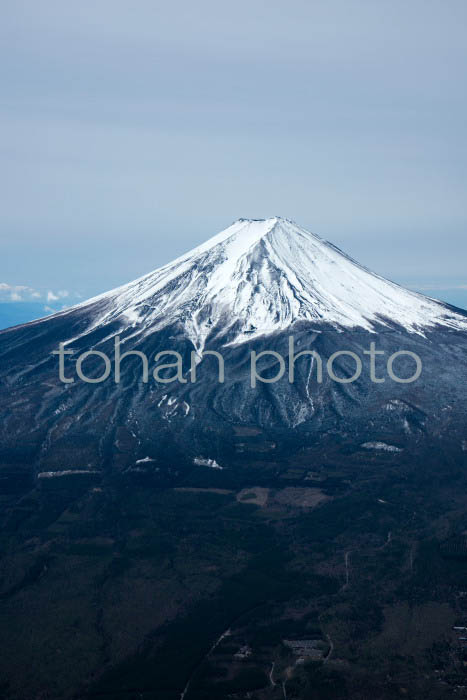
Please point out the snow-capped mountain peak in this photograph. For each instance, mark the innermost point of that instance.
(260, 276)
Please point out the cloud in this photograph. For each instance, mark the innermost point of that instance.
(55, 296)
(14, 292)
(23, 293)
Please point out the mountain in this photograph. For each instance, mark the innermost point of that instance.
(250, 288)
(294, 537)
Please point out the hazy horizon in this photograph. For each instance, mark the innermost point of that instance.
(131, 134)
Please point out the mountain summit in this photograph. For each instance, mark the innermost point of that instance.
(261, 276)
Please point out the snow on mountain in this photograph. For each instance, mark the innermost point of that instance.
(260, 276)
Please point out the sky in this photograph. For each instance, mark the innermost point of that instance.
(131, 131)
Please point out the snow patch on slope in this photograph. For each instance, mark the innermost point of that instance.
(206, 462)
(381, 446)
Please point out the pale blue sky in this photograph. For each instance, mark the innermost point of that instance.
(131, 131)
